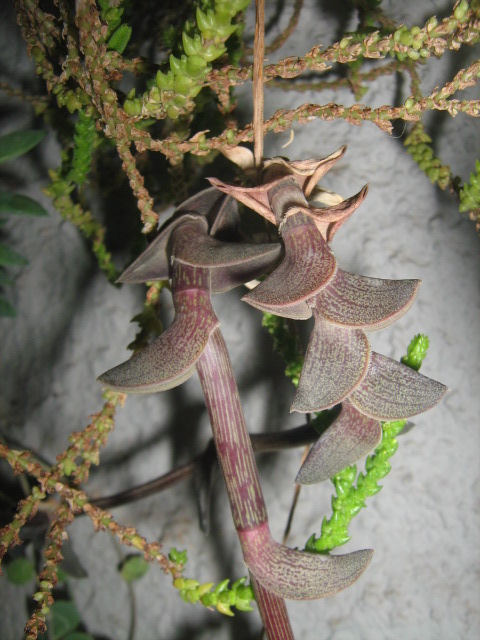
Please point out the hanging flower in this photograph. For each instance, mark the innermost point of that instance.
(339, 366)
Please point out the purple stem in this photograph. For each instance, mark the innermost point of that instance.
(237, 461)
(234, 449)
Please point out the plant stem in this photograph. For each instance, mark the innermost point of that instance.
(235, 452)
(237, 461)
(261, 442)
(258, 101)
(273, 612)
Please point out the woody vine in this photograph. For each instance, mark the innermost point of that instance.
(359, 400)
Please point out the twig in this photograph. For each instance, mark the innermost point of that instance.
(258, 101)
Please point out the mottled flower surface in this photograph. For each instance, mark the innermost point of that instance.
(339, 365)
(301, 279)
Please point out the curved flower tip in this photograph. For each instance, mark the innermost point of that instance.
(330, 219)
(393, 391)
(170, 359)
(315, 169)
(299, 575)
(370, 303)
(335, 364)
(348, 439)
(307, 267)
(209, 208)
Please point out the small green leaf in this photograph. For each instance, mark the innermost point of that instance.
(20, 570)
(19, 142)
(15, 204)
(6, 309)
(9, 257)
(120, 38)
(5, 279)
(133, 568)
(65, 618)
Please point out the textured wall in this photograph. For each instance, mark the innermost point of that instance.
(423, 581)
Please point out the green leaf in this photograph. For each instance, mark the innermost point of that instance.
(9, 257)
(15, 204)
(6, 309)
(120, 38)
(133, 568)
(78, 635)
(65, 618)
(20, 570)
(19, 142)
(5, 279)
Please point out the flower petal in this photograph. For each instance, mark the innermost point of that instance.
(335, 364)
(370, 303)
(255, 198)
(308, 172)
(330, 219)
(348, 439)
(153, 263)
(170, 359)
(392, 391)
(307, 267)
(209, 206)
(299, 575)
(230, 263)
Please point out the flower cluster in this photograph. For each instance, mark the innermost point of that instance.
(339, 366)
(303, 280)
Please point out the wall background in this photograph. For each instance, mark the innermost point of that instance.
(423, 581)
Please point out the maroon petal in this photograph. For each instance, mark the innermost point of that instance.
(330, 219)
(307, 267)
(352, 436)
(370, 303)
(299, 575)
(154, 263)
(335, 363)
(230, 263)
(255, 198)
(170, 359)
(308, 172)
(392, 391)
(209, 207)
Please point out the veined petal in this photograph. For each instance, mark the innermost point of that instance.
(392, 391)
(299, 575)
(230, 263)
(307, 267)
(308, 172)
(370, 303)
(208, 208)
(335, 364)
(255, 198)
(153, 263)
(352, 436)
(330, 219)
(170, 359)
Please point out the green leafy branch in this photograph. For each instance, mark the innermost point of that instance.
(118, 34)
(470, 196)
(418, 144)
(69, 177)
(203, 42)
(220, 596)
